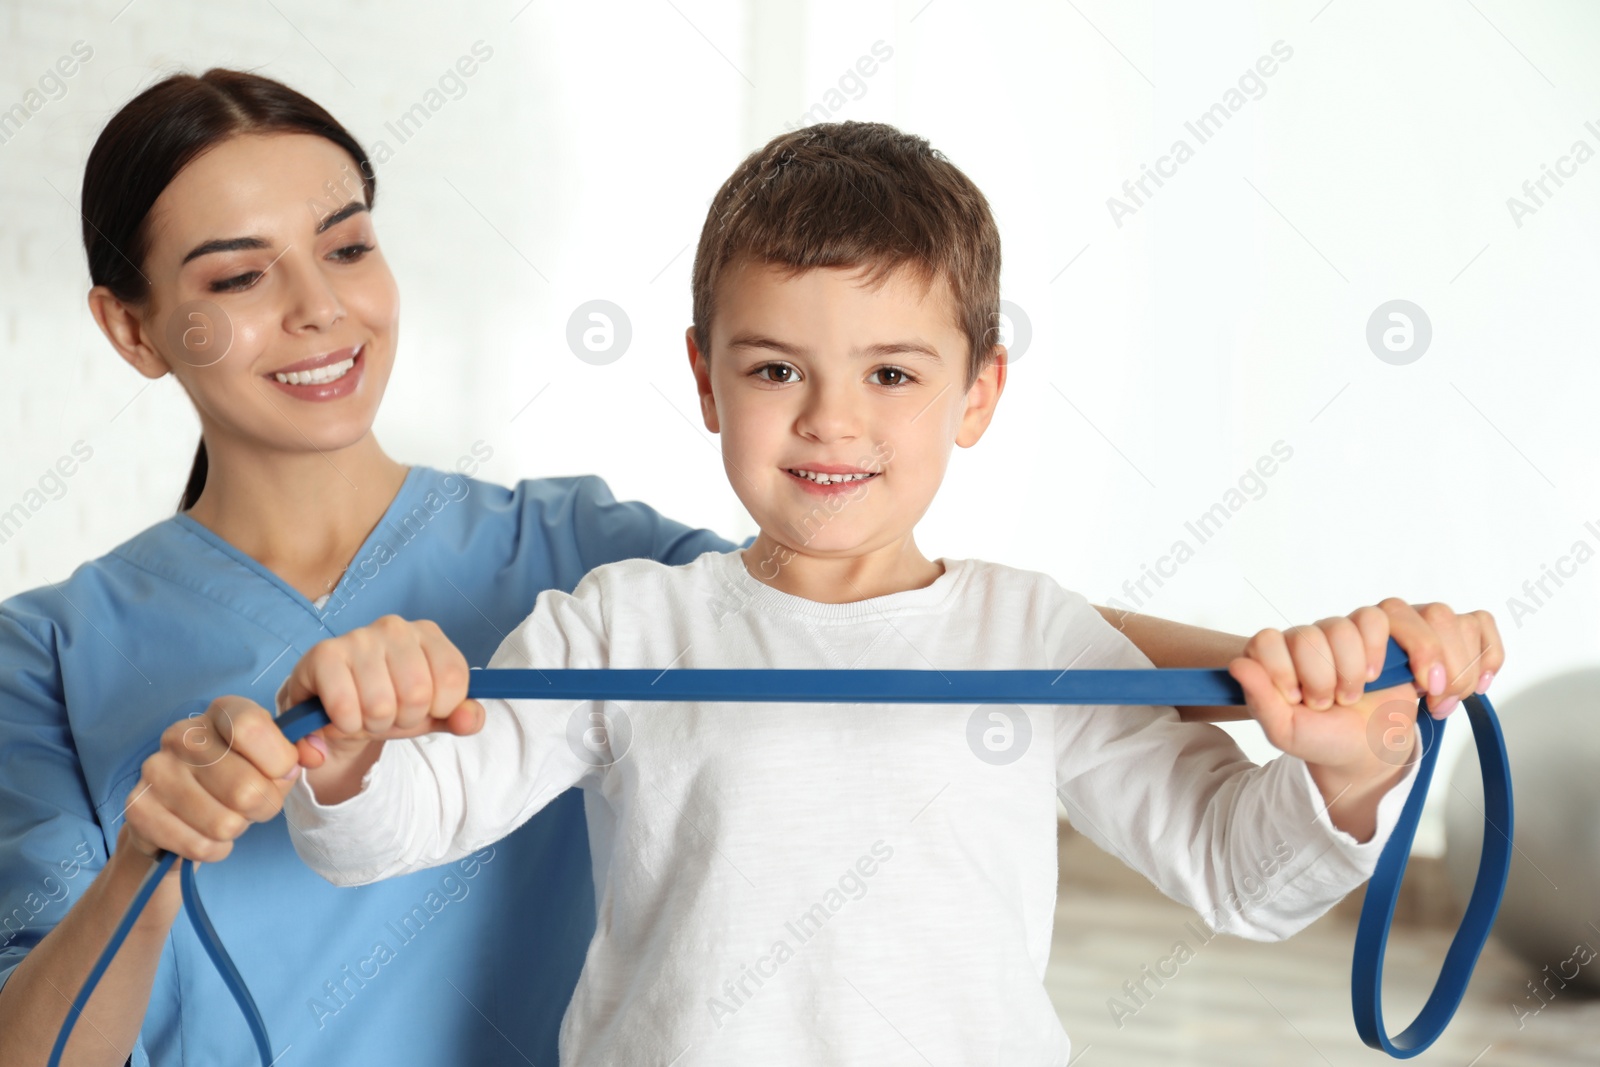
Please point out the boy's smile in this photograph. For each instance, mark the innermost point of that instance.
(838, 401)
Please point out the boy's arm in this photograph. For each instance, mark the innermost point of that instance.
(1261, 851)
(1174, 644)
(1466, 647)
(1251, 848)
(437, 798)
(427, 800)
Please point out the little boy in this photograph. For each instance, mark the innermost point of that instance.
(826, 884)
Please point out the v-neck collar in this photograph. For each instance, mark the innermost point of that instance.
(408, 488)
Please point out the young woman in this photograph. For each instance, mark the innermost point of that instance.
(219, 253)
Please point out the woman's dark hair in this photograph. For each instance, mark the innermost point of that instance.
(157, 134)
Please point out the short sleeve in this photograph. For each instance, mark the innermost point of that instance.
(609, 530)
(51, 845)
(1248, 846)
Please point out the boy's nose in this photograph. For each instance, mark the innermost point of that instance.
(830, 414)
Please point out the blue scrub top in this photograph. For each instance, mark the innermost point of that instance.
(469, 963)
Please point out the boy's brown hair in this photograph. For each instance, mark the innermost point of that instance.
(856, 194)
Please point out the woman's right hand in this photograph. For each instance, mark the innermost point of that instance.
(214, 776)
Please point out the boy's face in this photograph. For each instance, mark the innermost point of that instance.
(819, 373)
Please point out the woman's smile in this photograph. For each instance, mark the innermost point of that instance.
(327, 377)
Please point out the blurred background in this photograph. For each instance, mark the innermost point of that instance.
(1323, 272)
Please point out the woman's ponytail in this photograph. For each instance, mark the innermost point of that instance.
(197, 478)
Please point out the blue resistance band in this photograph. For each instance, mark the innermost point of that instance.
(1125, 687)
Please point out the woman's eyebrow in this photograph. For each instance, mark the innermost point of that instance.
(236, 244)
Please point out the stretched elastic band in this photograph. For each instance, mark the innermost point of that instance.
(1126, 687)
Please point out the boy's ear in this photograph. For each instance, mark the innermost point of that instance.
(702, 382)
(982, 398)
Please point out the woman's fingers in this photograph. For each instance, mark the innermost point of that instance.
(155, 826)
(213, 776)
(1493, 649)
(243, 727)
(1422, 647)
(1457, 660)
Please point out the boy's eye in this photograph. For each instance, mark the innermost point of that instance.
(786, 372)
(896, 374)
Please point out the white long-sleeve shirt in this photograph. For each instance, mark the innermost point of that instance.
(840, 883)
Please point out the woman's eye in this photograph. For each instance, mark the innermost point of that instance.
(351, 253)
(899, 376)
(237, 282)
(777, 368)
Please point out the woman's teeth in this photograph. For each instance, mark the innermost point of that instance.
(321, 376)
(829, 479)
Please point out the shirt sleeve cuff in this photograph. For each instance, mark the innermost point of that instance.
(305, 801)
(349, 842)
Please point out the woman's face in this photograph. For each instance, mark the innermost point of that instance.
(269, 299)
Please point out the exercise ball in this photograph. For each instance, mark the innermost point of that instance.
(1550, 916)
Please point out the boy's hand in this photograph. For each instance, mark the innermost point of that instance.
(389, 679)
(1305, 688)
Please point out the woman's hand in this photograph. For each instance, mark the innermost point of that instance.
(214, 776)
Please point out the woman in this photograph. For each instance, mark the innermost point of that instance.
(228, 246)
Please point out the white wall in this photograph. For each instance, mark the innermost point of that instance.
(1168, 353)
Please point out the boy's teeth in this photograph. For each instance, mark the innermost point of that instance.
(321, 376)
(829, 479)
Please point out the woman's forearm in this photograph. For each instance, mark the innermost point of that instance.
(37, 997)
(1176, 644)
